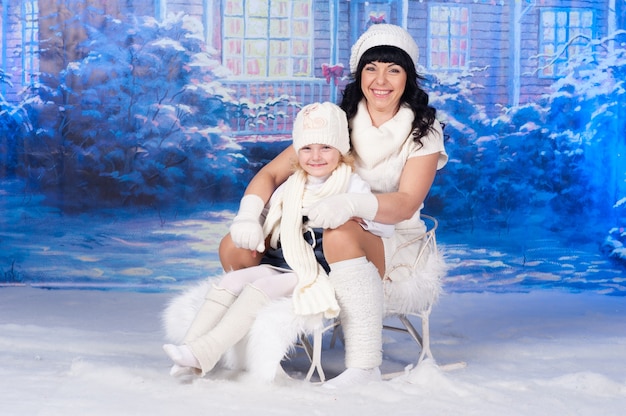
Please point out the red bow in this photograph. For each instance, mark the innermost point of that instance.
(376, 20)
(335, 72)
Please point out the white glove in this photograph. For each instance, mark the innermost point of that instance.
(336, 210)
(246, 230)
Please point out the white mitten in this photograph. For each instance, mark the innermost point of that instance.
(246, 229)
(335, 210)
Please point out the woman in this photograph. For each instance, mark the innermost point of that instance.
(398, 146)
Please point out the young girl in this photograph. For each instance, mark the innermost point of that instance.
(294, 264)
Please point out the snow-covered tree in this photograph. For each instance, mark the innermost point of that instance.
(137, 120)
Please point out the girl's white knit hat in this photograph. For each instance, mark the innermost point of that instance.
(321, 123)
(379, 35)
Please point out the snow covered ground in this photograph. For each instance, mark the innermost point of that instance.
(547, 352)
(92, 352)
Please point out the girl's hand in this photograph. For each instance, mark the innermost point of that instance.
(246, 230)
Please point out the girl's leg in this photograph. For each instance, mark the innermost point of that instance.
(221, 296)
(204, 352)
(236, 280)
(216, 303)
(278, 285)
(215, 306)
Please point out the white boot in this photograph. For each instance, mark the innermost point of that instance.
(235, 324)
(354, 377)
(359, 292)
(216, 303)
(185, 361)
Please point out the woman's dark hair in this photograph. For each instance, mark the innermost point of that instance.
(414, 96)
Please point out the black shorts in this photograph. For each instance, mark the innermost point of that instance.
(275, 257)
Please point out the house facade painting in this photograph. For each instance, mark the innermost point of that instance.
(515, 48)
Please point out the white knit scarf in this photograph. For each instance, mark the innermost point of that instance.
(313, 293)
(373, 144)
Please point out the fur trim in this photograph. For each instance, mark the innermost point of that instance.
(181, 311)
(274, 335)
(419, 293)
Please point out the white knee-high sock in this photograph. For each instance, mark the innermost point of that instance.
(215, 305)
(359, 292)
(235, 324)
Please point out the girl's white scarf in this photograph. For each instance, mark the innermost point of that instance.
(313, 293)
(371, 145)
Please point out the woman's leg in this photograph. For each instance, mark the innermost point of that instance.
(356, 257)
(351, 241)
(235, 258)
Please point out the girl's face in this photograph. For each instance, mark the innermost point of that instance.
(318, 160)
(383, 85)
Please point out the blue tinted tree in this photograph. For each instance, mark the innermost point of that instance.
(136, 119)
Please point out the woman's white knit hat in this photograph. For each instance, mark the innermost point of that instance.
(321, 123)
(379, 35)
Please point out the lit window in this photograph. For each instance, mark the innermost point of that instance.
(448, 37)
(30, 41)
(364, 13)
(563, 33)
(268, 38)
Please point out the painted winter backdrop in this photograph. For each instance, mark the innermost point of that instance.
(121, 175)
(122, 172)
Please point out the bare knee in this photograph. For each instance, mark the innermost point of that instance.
(351, 241)
(340, 244)
(235, 258)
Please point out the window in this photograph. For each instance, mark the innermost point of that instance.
(448, 37)
(268, 38)
(364, 13)
(30, 41)
(562, 34)
(374, 13)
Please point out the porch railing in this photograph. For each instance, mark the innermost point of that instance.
(268, 107)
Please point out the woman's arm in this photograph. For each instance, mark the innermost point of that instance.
(415, 182)
(238, 249)
(265, 182)
(387, 208)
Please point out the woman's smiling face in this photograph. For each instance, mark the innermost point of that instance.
(383, 85)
